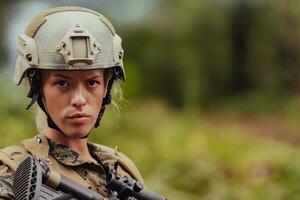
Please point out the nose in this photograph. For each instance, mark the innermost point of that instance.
(78, 97)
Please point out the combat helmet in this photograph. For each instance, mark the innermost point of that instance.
(68, 38)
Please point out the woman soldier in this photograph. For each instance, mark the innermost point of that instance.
(71, 57)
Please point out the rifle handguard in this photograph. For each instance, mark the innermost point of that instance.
(27, 180)
(32, 177)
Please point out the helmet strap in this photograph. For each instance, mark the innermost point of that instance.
(35, 95)
(107, 98)
(34, 92)
(50, 122)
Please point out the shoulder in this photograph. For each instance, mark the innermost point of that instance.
(11, 156)
(6, 189)
(6, 181)
(110, 156)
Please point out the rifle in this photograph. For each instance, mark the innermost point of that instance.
(34, 180)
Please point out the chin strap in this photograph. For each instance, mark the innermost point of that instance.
(106, 101)
(117, 73)
(35, 95)
(34, 92)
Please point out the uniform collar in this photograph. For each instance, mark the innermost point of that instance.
(40, 146)
(67, 156)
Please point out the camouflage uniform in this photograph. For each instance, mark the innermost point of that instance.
(67, 162)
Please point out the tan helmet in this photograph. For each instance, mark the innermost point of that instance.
(69, 38)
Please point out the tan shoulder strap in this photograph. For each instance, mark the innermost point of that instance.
(130, 167)
(110, 156)
(12, 156)
(37, 146)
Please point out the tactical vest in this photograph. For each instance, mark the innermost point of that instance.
(38, 146)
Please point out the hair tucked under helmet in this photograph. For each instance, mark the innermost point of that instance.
(68, 38)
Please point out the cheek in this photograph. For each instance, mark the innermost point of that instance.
(54, 102)
(96, 103)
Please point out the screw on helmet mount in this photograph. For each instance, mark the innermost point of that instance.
(68, 38)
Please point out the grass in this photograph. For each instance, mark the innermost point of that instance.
(185, 157)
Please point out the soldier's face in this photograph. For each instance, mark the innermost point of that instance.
(73, 99)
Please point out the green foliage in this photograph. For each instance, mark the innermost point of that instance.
(15, 122)
(198, 52)
(179, 154)
(184, 157)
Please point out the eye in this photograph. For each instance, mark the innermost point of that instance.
(93, 83)
(62, 83)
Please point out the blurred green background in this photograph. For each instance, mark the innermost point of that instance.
(212, 94)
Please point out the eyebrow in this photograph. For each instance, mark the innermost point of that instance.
(62, 76)
(69, 78)
(93, 77)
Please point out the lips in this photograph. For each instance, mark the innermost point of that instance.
(78, 115)
(78, 118)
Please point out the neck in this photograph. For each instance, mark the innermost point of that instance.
(78, 145)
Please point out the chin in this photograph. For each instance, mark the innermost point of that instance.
(77, 132)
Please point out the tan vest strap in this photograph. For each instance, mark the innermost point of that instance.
(129, 167)
(110, 156)
(54, 179)
(67, 172)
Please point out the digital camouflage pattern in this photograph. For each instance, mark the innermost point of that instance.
(93, 174)
(6, 180)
